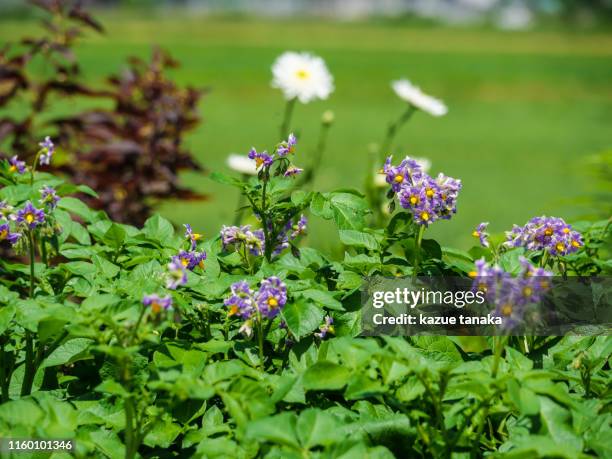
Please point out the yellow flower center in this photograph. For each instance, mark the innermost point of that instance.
(259, 162)
(302, 74)
(399, 178)
(13, 168)
(566, 230)
(429, 193)
(414, 200)
(201, 264)
(156, 307)
(548, 232)
(475, 233)
(544, 285)
(482, 287)
(196, 236)
(3, 234)
(424, 216)
(120, 194)
(184, 261)
(506, 309)
(29, 218)
(233, 310)
(272, 302)
(560, 247)
(527, 291)
(575, 244)
(472, 274)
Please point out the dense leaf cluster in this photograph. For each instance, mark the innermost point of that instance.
(81, 357)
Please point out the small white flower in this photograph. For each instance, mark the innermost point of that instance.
(247, 328)
(417, 98)
(380, 180)
(242, 164)
(302, 75)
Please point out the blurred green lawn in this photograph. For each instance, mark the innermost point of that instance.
(526, 108)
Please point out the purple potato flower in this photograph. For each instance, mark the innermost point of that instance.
(241, 301)
(177, 274)
(290, 232)
(481, 234)
(47, 151)
(239, 235)
(292, 171)
(545, 233)
(427, 198)
(49, 197)
(510, 295)
(191, 236)
(327, 327)
(189, 260)
(271, 297)
(287, 147)
(261, 159)
(16, 165)
(407, 172)
(299, 227)
(30, 216)
(157, 303)
(6, 235)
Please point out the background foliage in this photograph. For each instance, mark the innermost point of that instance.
(525, 107)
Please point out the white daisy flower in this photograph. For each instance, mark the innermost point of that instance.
(242, 164)
(412, 94)
(302, 75)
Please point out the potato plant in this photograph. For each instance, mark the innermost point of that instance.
(160, 342)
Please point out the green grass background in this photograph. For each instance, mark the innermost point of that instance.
(526, 108)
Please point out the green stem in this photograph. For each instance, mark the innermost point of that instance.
(130, 447)
(417, 256)
(28, 377)
(544, 259)
(392, 131)
(32, 260)
(135, 332)
(436, 403)
(318, 154)
(284, 129)
(498, 342)
(264, 216)
(244, 254)
(43, 251)
(34, 164)
(240, 205)
(260, 339)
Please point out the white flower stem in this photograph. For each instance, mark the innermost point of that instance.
(318, 154)
(34, 164)
(286, 124)
(393, 129)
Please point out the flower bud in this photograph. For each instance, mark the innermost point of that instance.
(327, 118)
